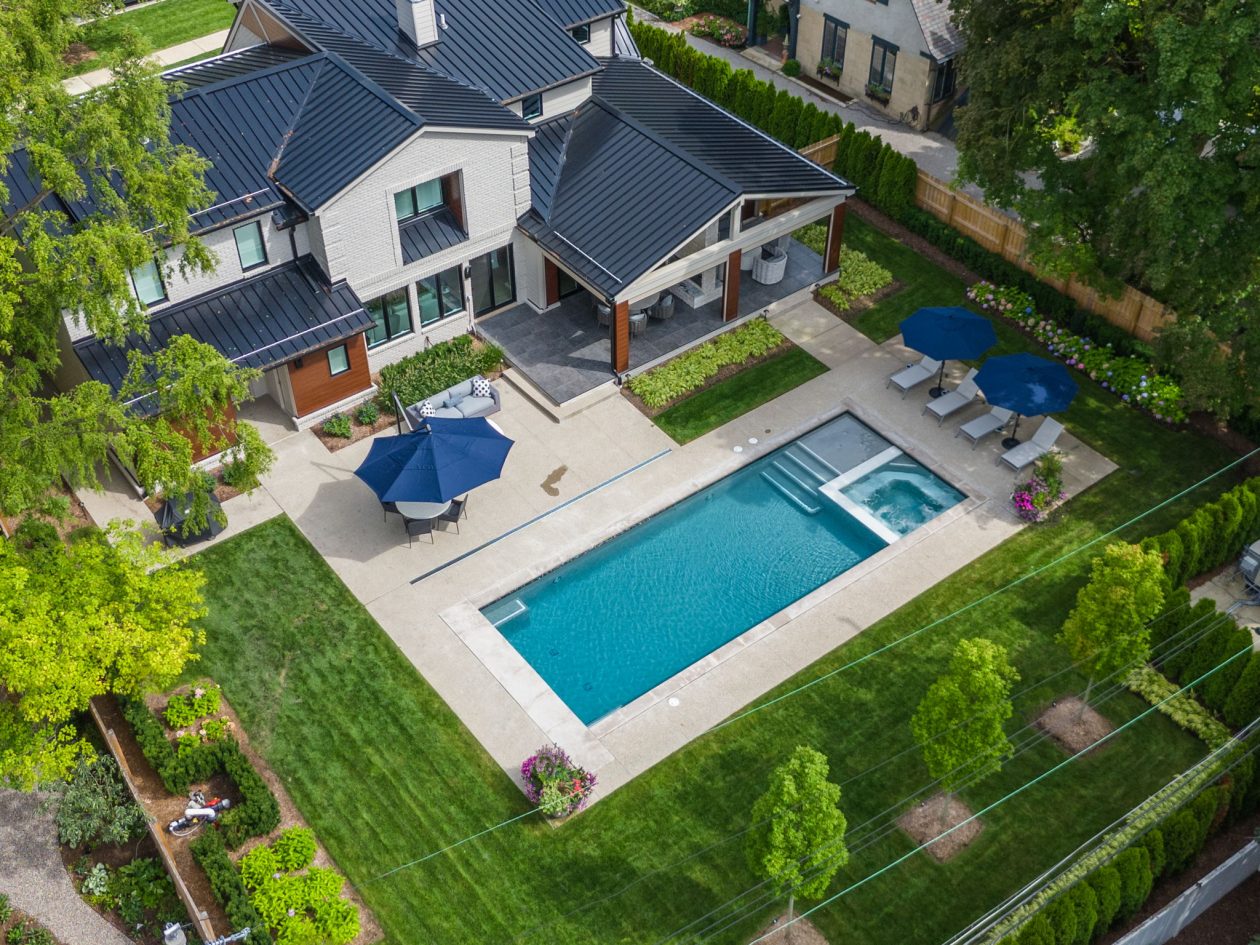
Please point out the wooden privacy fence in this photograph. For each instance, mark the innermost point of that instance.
(1134, 311)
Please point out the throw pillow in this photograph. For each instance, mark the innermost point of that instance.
(481, 387)
(427, 409)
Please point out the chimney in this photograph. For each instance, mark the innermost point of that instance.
(418, 20)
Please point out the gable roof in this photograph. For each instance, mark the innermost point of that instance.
(944, 39)
(508, 48)
(754, 161)
(569, 13)
(609, 219)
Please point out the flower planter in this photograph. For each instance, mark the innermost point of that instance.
(878, 95)
(555, 784)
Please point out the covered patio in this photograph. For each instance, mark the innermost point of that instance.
(565, 352)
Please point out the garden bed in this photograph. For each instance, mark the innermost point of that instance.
(724, 373)
(358, 431)
(933, 817)
(12, 921)
(858, 306)
(1072, 729)
(77, 515)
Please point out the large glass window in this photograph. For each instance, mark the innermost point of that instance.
(338, 360)
(440, 296)
(531, 106)
(581, 33)
(568, 285)
(493, 283)
(249, 245)
(391, 316)
(417, 200)
(883, 64)
(945, 81)
(146, 283)
(835, 37)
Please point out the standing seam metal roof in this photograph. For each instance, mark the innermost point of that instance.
(570, 13)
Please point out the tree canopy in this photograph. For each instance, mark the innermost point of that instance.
(959, 722)
(1164, 192)
(797, 838)
(112, 192)
(1108, 629)
(81, 620)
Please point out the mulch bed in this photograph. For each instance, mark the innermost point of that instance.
(821, 87)
(1075, 731)
(932, 818)
(19, 917)
(78, 516)
(858, 306)
(800, 932)
(358, 431)
(78, 52)
(728, 371)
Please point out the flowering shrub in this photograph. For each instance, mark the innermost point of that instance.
(719, 29)
(1133, 380)
(1035, 498)
(555, 783)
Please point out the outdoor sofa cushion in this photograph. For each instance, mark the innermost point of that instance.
(456, 403)
(475, 406)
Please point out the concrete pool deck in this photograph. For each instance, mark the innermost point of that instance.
(499, 697)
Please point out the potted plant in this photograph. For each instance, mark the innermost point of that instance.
(828, 69)
(878, 93)
(554, 783)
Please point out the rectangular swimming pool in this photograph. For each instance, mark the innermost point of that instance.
(611, 624)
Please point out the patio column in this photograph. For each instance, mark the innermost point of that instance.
(551, 278)
(730, 292)
(621, 337)
(835, 236)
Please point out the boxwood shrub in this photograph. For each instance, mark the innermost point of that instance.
(425, 373)
(225, 882)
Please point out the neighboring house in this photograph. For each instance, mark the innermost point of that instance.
(899, 55)
(390, 172)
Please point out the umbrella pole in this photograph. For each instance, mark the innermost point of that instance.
(938, 390)
(1012, 441)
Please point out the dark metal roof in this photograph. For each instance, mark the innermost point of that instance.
(624, 198)
(509, 49)
(717, 139)
(439, 100)
(546, 157)
(232, 65)
(944, 39)
(576, 12)
(261, 322)
(429, 234)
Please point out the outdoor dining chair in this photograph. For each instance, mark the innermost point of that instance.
(458, 509)
(418, 526)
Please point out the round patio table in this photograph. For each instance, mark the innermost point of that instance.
(421, 510)
(643, 305)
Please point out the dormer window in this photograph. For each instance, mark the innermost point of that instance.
(414, 201)
(146, 283)
(430, 217)
(581, 33)
(531, 106)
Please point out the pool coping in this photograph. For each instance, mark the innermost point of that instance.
(546, 709)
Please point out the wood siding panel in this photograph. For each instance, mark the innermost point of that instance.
(551, 275)
(315, 387)
(730, 291)
(835, 239)
(217, 430)
(621, 338)
(453, 197)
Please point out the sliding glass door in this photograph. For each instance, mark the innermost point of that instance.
(493, 281)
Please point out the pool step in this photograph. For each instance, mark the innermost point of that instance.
(514, 609)
(812, 461)
(791, 489)
(806, 467)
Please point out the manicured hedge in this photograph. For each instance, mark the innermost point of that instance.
(431, 371)
(253, 813)
(1212, 535)
(225, 882)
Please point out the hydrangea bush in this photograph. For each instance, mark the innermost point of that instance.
(555, 783)
(1133, 380)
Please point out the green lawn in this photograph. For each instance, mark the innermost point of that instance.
(386, 774)
(160, 25)
(737, 395)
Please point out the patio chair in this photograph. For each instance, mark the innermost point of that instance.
(977, 429)
(770, 266)
(603, 314)
(1042, 442)
(638, 323)
(386, 508)
(954, 400)
(418, 526)
(663, 310)
(458, 510)
(914, 374)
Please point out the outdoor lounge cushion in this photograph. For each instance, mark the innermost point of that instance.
(1041, 443)
(914, 374)
(453, 395)
(480, 387)
(977, 429)
(475, 406)
(450, 413)
(954, 400)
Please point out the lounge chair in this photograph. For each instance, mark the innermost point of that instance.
(1042, 442)
(914, 375)
(954, 400)
(977, 429)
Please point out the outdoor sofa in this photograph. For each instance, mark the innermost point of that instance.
(455, 403)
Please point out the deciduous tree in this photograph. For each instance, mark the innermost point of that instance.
(797, 838)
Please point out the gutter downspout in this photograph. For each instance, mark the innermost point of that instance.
(752, 21)
(794, 19)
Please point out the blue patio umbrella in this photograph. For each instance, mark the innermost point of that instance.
(1026, 384)
(948, 334)
(443, 459)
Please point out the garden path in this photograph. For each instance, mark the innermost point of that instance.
(35, 880)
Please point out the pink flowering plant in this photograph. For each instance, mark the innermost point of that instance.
(721, 30)
(554, 783)
(1133, 380)
(1037, 497)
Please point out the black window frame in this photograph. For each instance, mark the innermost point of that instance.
(883, 49)
(526, 109)
(345, 351)
(389, 335)
(415, 202)
(157, 270)
(582, 29)
(256, 224)
(438, 282)
(945, 74)
(839, 30)
(495, 303)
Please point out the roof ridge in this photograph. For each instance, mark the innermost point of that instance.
(201, 91)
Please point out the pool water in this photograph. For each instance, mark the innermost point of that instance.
(616, 621)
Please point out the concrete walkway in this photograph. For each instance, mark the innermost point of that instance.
(181, 52)
(35, 880)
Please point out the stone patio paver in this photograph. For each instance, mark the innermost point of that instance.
(35, 880)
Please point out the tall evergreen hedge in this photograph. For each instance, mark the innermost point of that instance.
(1211, 535)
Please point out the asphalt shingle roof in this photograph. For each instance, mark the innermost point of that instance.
(944, 39)
(263, 321)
